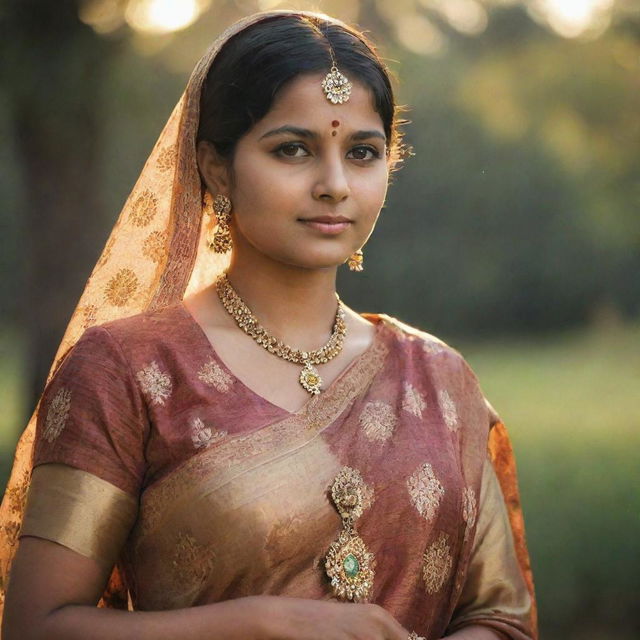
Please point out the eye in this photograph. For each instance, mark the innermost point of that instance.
(289, 150)
(360, 153)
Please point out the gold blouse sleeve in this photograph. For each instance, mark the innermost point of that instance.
(79, 511)
(495, 593)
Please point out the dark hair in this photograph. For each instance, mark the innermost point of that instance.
(256, 63)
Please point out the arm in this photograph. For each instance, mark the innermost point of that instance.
(53, 594)
(477, 632)
(494, 598)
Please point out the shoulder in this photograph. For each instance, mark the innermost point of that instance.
(425, 354)
(145, 325)
(128, 344)
(417, 341)
(131, 334)
(440, 366)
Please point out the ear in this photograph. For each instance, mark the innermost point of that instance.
(213, 168)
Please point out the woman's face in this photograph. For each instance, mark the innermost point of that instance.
(310, 178)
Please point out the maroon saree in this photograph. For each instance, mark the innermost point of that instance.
(150, 454)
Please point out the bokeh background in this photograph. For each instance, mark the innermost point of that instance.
(513, 232)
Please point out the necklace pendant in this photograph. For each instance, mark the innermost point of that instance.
(310, 379)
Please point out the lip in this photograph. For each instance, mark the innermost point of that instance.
(327, 225)
(327, 219)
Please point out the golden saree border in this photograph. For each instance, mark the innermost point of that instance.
(504, 464)
(494, 573)
(79, 511)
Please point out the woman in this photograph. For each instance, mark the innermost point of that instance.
(242, 487)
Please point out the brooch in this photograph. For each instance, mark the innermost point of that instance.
(348, 562)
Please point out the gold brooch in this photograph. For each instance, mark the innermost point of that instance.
(348, 562)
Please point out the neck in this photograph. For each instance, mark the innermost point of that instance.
(294, 304)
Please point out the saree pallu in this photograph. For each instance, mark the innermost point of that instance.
(150, 453)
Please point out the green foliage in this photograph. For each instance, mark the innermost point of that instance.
(518, 212)
(570, 406)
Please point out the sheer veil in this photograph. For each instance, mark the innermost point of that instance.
(157, 254)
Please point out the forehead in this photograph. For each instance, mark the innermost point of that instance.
(303, 101)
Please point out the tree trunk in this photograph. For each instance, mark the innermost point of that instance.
(55, 68)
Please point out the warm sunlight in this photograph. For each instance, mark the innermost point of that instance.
(572, 18)
(466, 16)
(163, 16)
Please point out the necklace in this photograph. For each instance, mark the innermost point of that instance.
(309, 377)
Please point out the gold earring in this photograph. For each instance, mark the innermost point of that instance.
(221, 240)
(356, 260)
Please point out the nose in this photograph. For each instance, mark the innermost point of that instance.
(332, 183)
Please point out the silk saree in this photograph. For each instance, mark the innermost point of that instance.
(150, 454)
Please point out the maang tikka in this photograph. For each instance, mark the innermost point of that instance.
(335, 84)
(221, 241)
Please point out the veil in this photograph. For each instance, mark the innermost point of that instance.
(156, 255)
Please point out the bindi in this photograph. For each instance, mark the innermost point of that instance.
(335, 123)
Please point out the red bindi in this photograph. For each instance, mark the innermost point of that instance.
(335, 123)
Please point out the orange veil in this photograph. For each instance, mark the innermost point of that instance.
(155, 256)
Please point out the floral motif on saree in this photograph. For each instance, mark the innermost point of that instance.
(378, 421)
(425, 491)
(203, 435)
(57, 414)
(436, 564)
(413, 401)
(469, 510)
(449, 411)
(155, 384)
(212, 374)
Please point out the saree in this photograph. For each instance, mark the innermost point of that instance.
(146, 453)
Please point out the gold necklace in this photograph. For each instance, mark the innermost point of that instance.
(309, 377)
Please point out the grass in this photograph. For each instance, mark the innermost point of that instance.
(571, 405)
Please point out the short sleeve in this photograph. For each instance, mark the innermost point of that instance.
(495, 593)
(92, 416)
(89, 461)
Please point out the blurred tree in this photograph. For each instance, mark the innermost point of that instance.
(518, 212)
(53, 66)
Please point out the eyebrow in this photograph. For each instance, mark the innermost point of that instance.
(312, 135)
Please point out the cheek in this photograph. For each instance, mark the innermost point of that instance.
(371, 191)
(260, 186)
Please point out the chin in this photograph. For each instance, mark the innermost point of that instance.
(320, 262)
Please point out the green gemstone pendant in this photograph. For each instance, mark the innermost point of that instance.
(351, 566)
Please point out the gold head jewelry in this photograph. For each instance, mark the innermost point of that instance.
(335, 84)
(309, 377)
(348, 562)
(221, 241)
(355, 261)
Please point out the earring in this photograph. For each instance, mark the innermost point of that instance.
(221, 240)
(356, 260)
